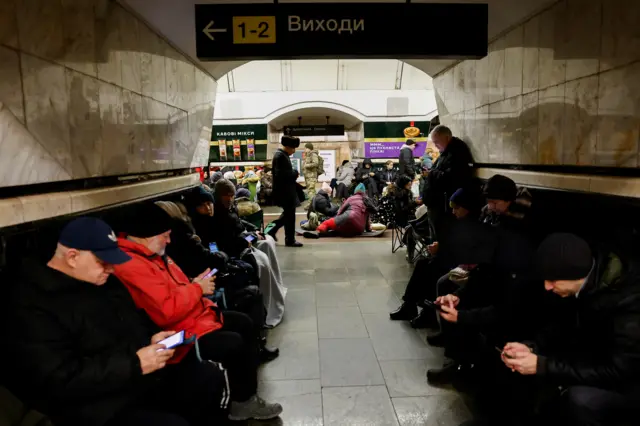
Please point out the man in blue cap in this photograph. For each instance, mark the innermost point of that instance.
(83, 355)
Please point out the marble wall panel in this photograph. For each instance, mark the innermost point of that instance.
(529, 126)
(504, 130)
(620, 33)
(469, 78)
(551, 124)
(109, 45)
(455, 101)
(85, 125)
(11, 82)
(135, 131)
(619, 117)
(481, 135)
(187, 85)
(581, 118)
(582, 38)
(24, 160)
(531, 53)
(181, 144)
(115, 147)
(152, 67)
(130, 56)
(46, 106)
(438, 89)
(8, 23)
(552, 65)
(513, 62)
(156, 118)
(79, 31)
(496, 70)
(200, 130)
(172, 76)
(482, 81)
(40, 26)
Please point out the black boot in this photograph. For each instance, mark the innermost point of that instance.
(438, 340)
(267, 353)
(443, 376)
(294, 244)
(406, 312)
(426, 319)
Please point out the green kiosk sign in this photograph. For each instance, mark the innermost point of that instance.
(242, 142)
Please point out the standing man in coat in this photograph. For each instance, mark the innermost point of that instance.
(284, 190)
(407, 163)
(452, 170)
(310, 169)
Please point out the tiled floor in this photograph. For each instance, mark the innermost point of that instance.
(342, 361)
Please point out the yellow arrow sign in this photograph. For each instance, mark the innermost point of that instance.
(209, 30)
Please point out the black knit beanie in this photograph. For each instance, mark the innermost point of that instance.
(500, 187)
(148, 220)
(290, 141)
(563, 256)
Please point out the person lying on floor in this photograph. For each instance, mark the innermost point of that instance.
(320, 208)
(174, 302)
(352, 218)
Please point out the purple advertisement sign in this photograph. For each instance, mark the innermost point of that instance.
(390, 149)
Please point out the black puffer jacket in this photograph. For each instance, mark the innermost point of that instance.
(188, 252)
(407, 163)
(74, 344)
(452, 170)
(225, 228)
(322, 204)
(602, 348)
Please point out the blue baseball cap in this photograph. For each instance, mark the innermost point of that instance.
(94, 235)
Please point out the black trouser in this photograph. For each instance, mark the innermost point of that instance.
(235, 345)
(288, 220)
(590, 406)
(422, 284)
(342, 191)
(189, 393)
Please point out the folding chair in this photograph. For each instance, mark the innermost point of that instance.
(422, 238)
(397, 236)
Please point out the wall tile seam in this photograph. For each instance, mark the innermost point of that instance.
(150, 27)
(20, 53)
(598, 73)
(506, 31)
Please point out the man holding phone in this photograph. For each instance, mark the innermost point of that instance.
(173, 302)
(82, 354)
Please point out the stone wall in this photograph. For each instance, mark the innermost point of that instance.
(563, 88)
(87, 89)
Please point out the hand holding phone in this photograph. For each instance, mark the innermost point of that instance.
(172, 341)
(431, 304)
(250, 238)
(205, 281)
(210, 274)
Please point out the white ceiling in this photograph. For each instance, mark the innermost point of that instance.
(175, 20)
(315, 116)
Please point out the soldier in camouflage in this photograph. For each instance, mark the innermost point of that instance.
(310, 170)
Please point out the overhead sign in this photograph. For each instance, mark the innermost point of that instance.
(346, 30)
(325, 130)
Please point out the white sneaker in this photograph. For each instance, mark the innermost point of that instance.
(254, 408)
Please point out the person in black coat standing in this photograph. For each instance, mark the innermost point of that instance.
(284, 190)
(452, 170)
(407, 163)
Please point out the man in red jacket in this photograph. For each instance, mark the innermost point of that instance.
(173, 302)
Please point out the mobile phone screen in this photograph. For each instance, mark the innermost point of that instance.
(250, 238)
(213, 247)
(212, 273)
(173, 341)
(432, 305)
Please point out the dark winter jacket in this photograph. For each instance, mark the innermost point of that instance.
(187, 250)
(517, 218)
(73, 346)
(225, 228)
(602, 347)
(321, 204)
(387, 176)
(403, 203)
(284, 180)
(353, 216)
(363, 176)
(452, 170)
(407, 163)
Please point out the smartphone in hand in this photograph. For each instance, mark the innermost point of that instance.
(250, 238)
(172, 341)
(210, 274)
(431, 304)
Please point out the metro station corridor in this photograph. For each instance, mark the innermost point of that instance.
(342, 362)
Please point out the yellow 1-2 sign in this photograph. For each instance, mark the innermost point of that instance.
(254, 29)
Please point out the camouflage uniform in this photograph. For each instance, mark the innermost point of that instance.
(310, 173)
